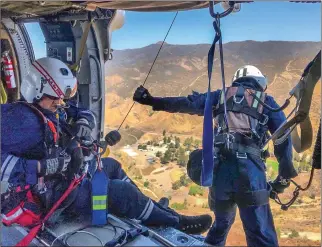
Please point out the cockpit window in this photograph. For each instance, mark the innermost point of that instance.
(37, 39)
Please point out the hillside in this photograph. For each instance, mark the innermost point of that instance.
(180, 69)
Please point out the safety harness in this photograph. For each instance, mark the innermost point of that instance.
(20, 205)
(239, 113)
(245, 117)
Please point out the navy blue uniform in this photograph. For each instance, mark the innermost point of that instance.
(238, 178)
(22, 134)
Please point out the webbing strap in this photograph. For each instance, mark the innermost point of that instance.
(208, 130)
(75, 66)
(303, 93)
(33, 232)
(240, 108)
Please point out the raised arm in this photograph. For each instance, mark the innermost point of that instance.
(192, 104)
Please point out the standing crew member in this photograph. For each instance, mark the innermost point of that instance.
(239, 172)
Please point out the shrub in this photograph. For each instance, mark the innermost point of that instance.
(176, 185)
(195, 190)
(146, 184)
(293, 234)
(179, 206)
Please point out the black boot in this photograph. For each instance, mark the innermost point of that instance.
(194, 224)
(164, 202)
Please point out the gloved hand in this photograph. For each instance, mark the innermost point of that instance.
(82, 128)
(54, 165)
(279, 185)
(142, 96)
(77, 158)
(113, 137)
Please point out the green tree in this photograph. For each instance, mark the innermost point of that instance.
(196, 190)
(171, 145)
(176, 185)
(165, 140)
(188, 142)
(164, 133)
(184, 180)
(146, 184)
(169, 140)
(182, 157)
(196, 143)
(158, 154)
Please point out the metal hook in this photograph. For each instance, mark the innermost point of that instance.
(223, 14)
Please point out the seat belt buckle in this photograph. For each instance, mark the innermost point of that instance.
(264, 122)
(241, 155)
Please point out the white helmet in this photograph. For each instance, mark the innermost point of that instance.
(48, 76)
(250, 71)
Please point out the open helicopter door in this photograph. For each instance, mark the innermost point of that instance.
(70, 38)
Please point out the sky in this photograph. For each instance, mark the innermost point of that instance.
(260, 21)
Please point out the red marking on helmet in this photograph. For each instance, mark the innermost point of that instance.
(50, 80)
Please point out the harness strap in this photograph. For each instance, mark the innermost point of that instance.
(33, 232)
(239, 148)
(75, 66)
(303, 92)
(238, 108)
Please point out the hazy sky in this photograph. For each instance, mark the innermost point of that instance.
(259, 21)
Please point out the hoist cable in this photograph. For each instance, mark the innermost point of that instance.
(150, 67)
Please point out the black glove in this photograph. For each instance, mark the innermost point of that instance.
(279, 185)
(82, 128)
(54, 165)
(142, 96)
(113, 137)
(77, 158)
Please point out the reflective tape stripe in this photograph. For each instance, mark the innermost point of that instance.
(258, 95)
(13, 216)
(99, 207)
(7, 167)
(147, 211)
(99, 202)
(5, 163)
(99, 198)
(126, 179)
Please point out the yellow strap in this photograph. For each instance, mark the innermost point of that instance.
(75, 66)
(3, 94)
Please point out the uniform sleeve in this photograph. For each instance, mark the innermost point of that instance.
(193, 104)
(79, 112)
(283, 151)
(17, 171)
